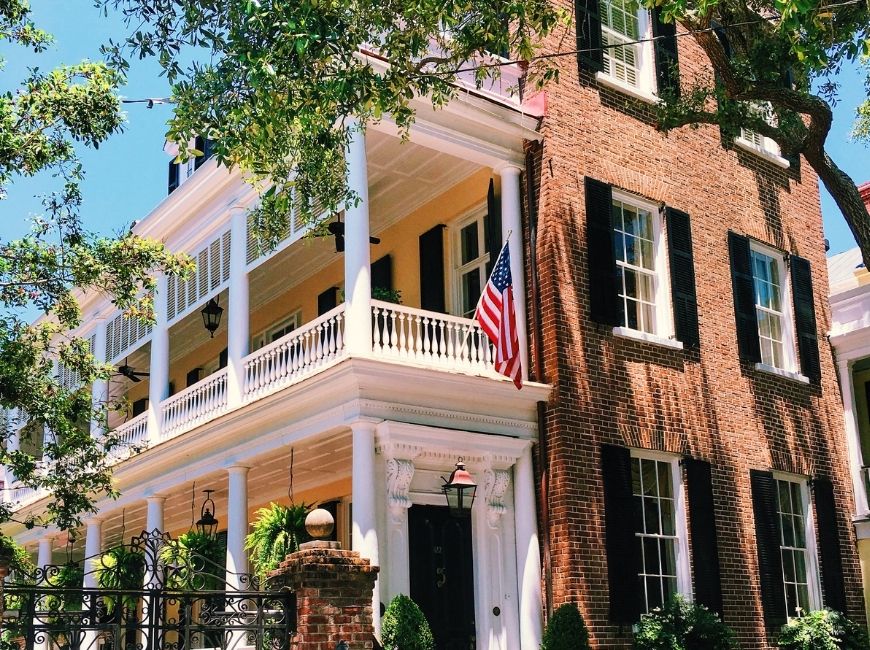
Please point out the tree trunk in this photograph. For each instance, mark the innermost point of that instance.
(847, 197)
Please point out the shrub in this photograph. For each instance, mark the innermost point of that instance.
(823, 629)
(404, 627)
(566, 630)
(681, 625)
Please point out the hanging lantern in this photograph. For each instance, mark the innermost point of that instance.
(459, 491)
(207, 524)
(211, 316)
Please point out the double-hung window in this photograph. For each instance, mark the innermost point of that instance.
(758, 143)
(797, 546)
(641, 266)
(772, 309)
(471, 262)
(660, 530)
(626, 61)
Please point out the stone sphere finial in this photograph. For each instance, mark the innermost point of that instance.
(319, 523)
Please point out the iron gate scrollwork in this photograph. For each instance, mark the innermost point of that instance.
(149, 597)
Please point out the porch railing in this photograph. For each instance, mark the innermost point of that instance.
(295, 356)
(133, 433)
(431, 339)
(204, 401)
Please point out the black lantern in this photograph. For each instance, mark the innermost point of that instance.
(459, 490)
(211, 316)
(207, 524)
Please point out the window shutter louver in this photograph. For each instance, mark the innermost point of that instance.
(587, 17)
(174, 177)
(432, 270)
(199, 145)
(767, 539)
(139, 406)
(705, 551)
(327, 300)
(382, 273)
(683, 292)
(493, 213)
(223, 358)
(193, 377)
(743, 287)
(805, 316)
(667, 63)
(619, 538)
(829, 545)
(604, 302)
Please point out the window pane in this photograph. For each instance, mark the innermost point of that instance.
(651, 515)
(635, 476)
(651, 555)
(788, 565)
(670, 586)
(648, 476)
(803, 598)
(665, 489)
(630, 283)
(469, 245)
(668, 519)
(653, 592)
(800, 566)
(470, 290)
(668, 556)
(486, 233)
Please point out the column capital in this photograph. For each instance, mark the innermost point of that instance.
(507, 168)
(155, 498)
(238, 469)
(364, 426)
(94, 520)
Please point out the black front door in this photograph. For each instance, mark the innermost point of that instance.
(442, 574)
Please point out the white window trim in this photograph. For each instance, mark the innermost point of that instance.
(789, 342)
(262, 338)
(814, 585)
(454, 284)
(768, 154)
(647, 88)
(682, 554)
(664, 312)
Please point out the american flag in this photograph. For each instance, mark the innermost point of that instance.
(495, 313)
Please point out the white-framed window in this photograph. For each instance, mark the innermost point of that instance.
(276, 330)
(631, 65)
(471, 257)
(800, 573)
(660, 528)
(643, 280)
(760, 144)
(773, 308)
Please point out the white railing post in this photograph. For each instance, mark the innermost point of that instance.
(357, 272)
(238, 318)
(100, 387)
(853, 438)
(158, 388)
(512, 229)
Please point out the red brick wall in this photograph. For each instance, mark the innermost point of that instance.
(706, 404)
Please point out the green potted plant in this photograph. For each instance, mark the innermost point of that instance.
(681, 625)
(120, 569)
(277, 531)
(566, 630)
(404, 627)
(823, 629)
(387, 295)
(196, 561)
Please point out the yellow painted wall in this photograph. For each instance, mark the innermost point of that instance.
(864, 558)
(860, 379)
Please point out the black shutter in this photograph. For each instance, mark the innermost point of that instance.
(667, 63)
(604, 301)
(683, 292)
(805, 316)
(623, 559)
(382, 273)
(193, 377)
(588, 21)
(743, 287)
(139, 406)
(174, 176)
(705, 551)
(223, 359)
(829, 545)
(432, 270)
(327, 300)
(199, 145)
(767, 541)
(493, 227)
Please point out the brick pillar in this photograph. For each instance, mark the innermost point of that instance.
(333, 597)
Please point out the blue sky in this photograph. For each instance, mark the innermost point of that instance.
(126, 177)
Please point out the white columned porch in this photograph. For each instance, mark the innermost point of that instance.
(528, 553)
(159, 367)
(512, 230)
(853, 437)
(238, 318)
(237, 526)
(100, 387)
(93, 549)
(43, 560)
(364, 532)
(357, 258)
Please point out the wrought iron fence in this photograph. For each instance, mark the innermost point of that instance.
(148, 596)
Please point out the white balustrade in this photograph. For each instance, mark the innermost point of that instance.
(295, 356)
(430, 339)
(132, 435)
(195, 405)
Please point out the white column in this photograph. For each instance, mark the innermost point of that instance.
(159, 368)
(238, 317)
(93, 548)
(43, 559)
(100, 387)
(853, 438)
(153, 522)
(237, 525)
(357, 271)
(364, 533)
(528, 553)
(512, 222)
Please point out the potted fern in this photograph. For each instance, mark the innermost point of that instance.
(278, 531)
(196, 560)
(120, 569)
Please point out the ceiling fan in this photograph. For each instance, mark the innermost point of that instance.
(131, 373)
(336, 229)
